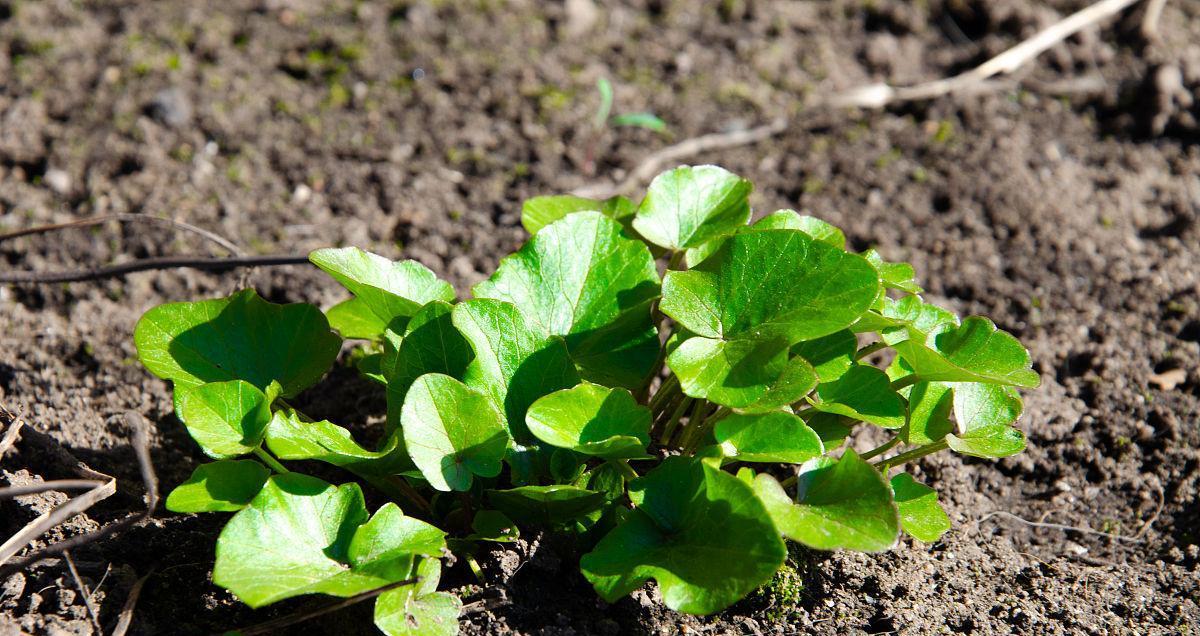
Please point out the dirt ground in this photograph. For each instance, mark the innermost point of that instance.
(1062, 203)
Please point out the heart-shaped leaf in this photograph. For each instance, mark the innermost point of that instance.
(431, 344)
(390, 289)
(493, 525)
(863, 393)
(748, 374)
(985, 413)
(770, 437)
(419, 610)
(779, 220)
(842, 505)
(242, 337)
(582, 279)
(689, 206)
(514, 364)
(452, 432)
(921, 516)
(227, 419)
(291, 436)
(700, 532)
(975, 351)
(546, 505)
(300, 535)
(771, 284)
(538, 212)
(831, 356)
(894, 275)
(929, 405)
(354, 319)
(221, 486)
(593, 420)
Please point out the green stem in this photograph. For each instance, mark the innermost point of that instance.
(881, 449)
(673, 423)
(668, 388)
(622, 466)
(692, 434)
(396, 488)
(270, 461)
(676, 259)
(869, 349)
(907, 380)
(916, 453)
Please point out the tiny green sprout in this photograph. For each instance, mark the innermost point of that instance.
(678, 389)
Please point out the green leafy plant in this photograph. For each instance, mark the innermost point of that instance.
(680, 426)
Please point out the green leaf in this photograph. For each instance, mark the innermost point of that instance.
(649, 121)
(242, 337)
(390, 539)
(227, 419)
(297, 536)
(863, 393)
(580, 278)
(354, 319)
(291, 436)
(700, 532)
(918, 318)
(514, 364)
(929, 405)
(546, 505)
(539, 212)
(221, 486)
(831, 356)
(894, 275)
(831, 428)
(985, 413)
(389, 289)
(779, 220)
(921, 516)
(688, 206)
(418, 610)
(452, 432)
(753, 375)
(493, 525)
(770, 437)
(973, 352)
(846, 505)
(771, 284)
(593, 420)
(431, 344)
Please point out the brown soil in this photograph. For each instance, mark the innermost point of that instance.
(1063, 205)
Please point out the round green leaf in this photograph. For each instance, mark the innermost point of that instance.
(538, 212)
(221, 486)
(985, 413)
(771, 284)
(514, 364)
(862, 393)
(354, 319)
(689, 206)
(894, 275)
(418, 609)
(975, 351)
(843, 505)
(452, 432)
(291, 436)
(753, 375)
(779, 220)
(431, 344)
(546, 505)
(389, 289)
(831, 356)
(593, 420)
(929, 405)
(582, 279)
(295, 538)
(770, 437)
(226, 419)
(242, 337)
(494, 525)
(921, 516)
(700, 532)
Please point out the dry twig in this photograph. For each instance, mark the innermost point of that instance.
(126, 617)
(219, 240)
(85, 592)
(880, 95)
(1057, 526)
(146, 264)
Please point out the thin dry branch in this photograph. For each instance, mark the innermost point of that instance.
(881, 94)
(146, 264)
(217, 239)
(85, 592)
(15, 422)
(1058, 526)
(126, 617)
(47, 520)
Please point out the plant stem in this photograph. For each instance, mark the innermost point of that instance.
(907, 380)
(881, 449)
(869, 349)
(627, 471)
(270, 461)
(673, 423)
(691, 434)
(665, 390)
(916, 453)
(676, 259)
(395, 487)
